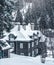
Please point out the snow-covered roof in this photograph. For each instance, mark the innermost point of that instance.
(21, 35)
(30, 32)
(14, 30)
(24, 60)
(43, 38)
(7, 36)
(6, 45)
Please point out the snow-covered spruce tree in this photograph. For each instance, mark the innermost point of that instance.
(36, 10)
(28, 17)
(35, 16)
(43, 24)
(50, 12)
(1, 17)
(31, 16)
(39, 10)
(8, 8)
(19, 15)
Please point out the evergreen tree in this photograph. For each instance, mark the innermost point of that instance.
(35, 16)
(19, 15)
(28, 16)
(1, 17)
(50, 11)
(43, 24)
(6, 8)
(9, 7)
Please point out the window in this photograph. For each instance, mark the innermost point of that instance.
(11, 39)
(28, 45)
(21, 45)
(37, 42)
(32, 44)
(28, 54)
(12, 45)
(32, 53)
(36, 51)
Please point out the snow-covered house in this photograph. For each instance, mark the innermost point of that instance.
(4, 51)
(23, 44)
(21, 41)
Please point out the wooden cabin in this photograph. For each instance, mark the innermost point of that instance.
(24, 45)
(4, 49)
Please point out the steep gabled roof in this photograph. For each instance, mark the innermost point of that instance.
(21, 35)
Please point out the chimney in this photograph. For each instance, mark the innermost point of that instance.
(32, 26)
(18, 26)
(24, 25)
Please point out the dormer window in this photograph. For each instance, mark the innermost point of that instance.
(11, 37)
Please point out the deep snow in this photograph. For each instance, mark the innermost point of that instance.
(24, 60)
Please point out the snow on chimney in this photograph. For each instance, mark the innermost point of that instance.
(24, 25)
(18, 26)
(32, 26)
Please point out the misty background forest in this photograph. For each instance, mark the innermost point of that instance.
(43, 9)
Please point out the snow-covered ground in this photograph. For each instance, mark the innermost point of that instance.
(24, 60)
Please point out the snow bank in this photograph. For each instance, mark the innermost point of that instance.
(24, 60)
